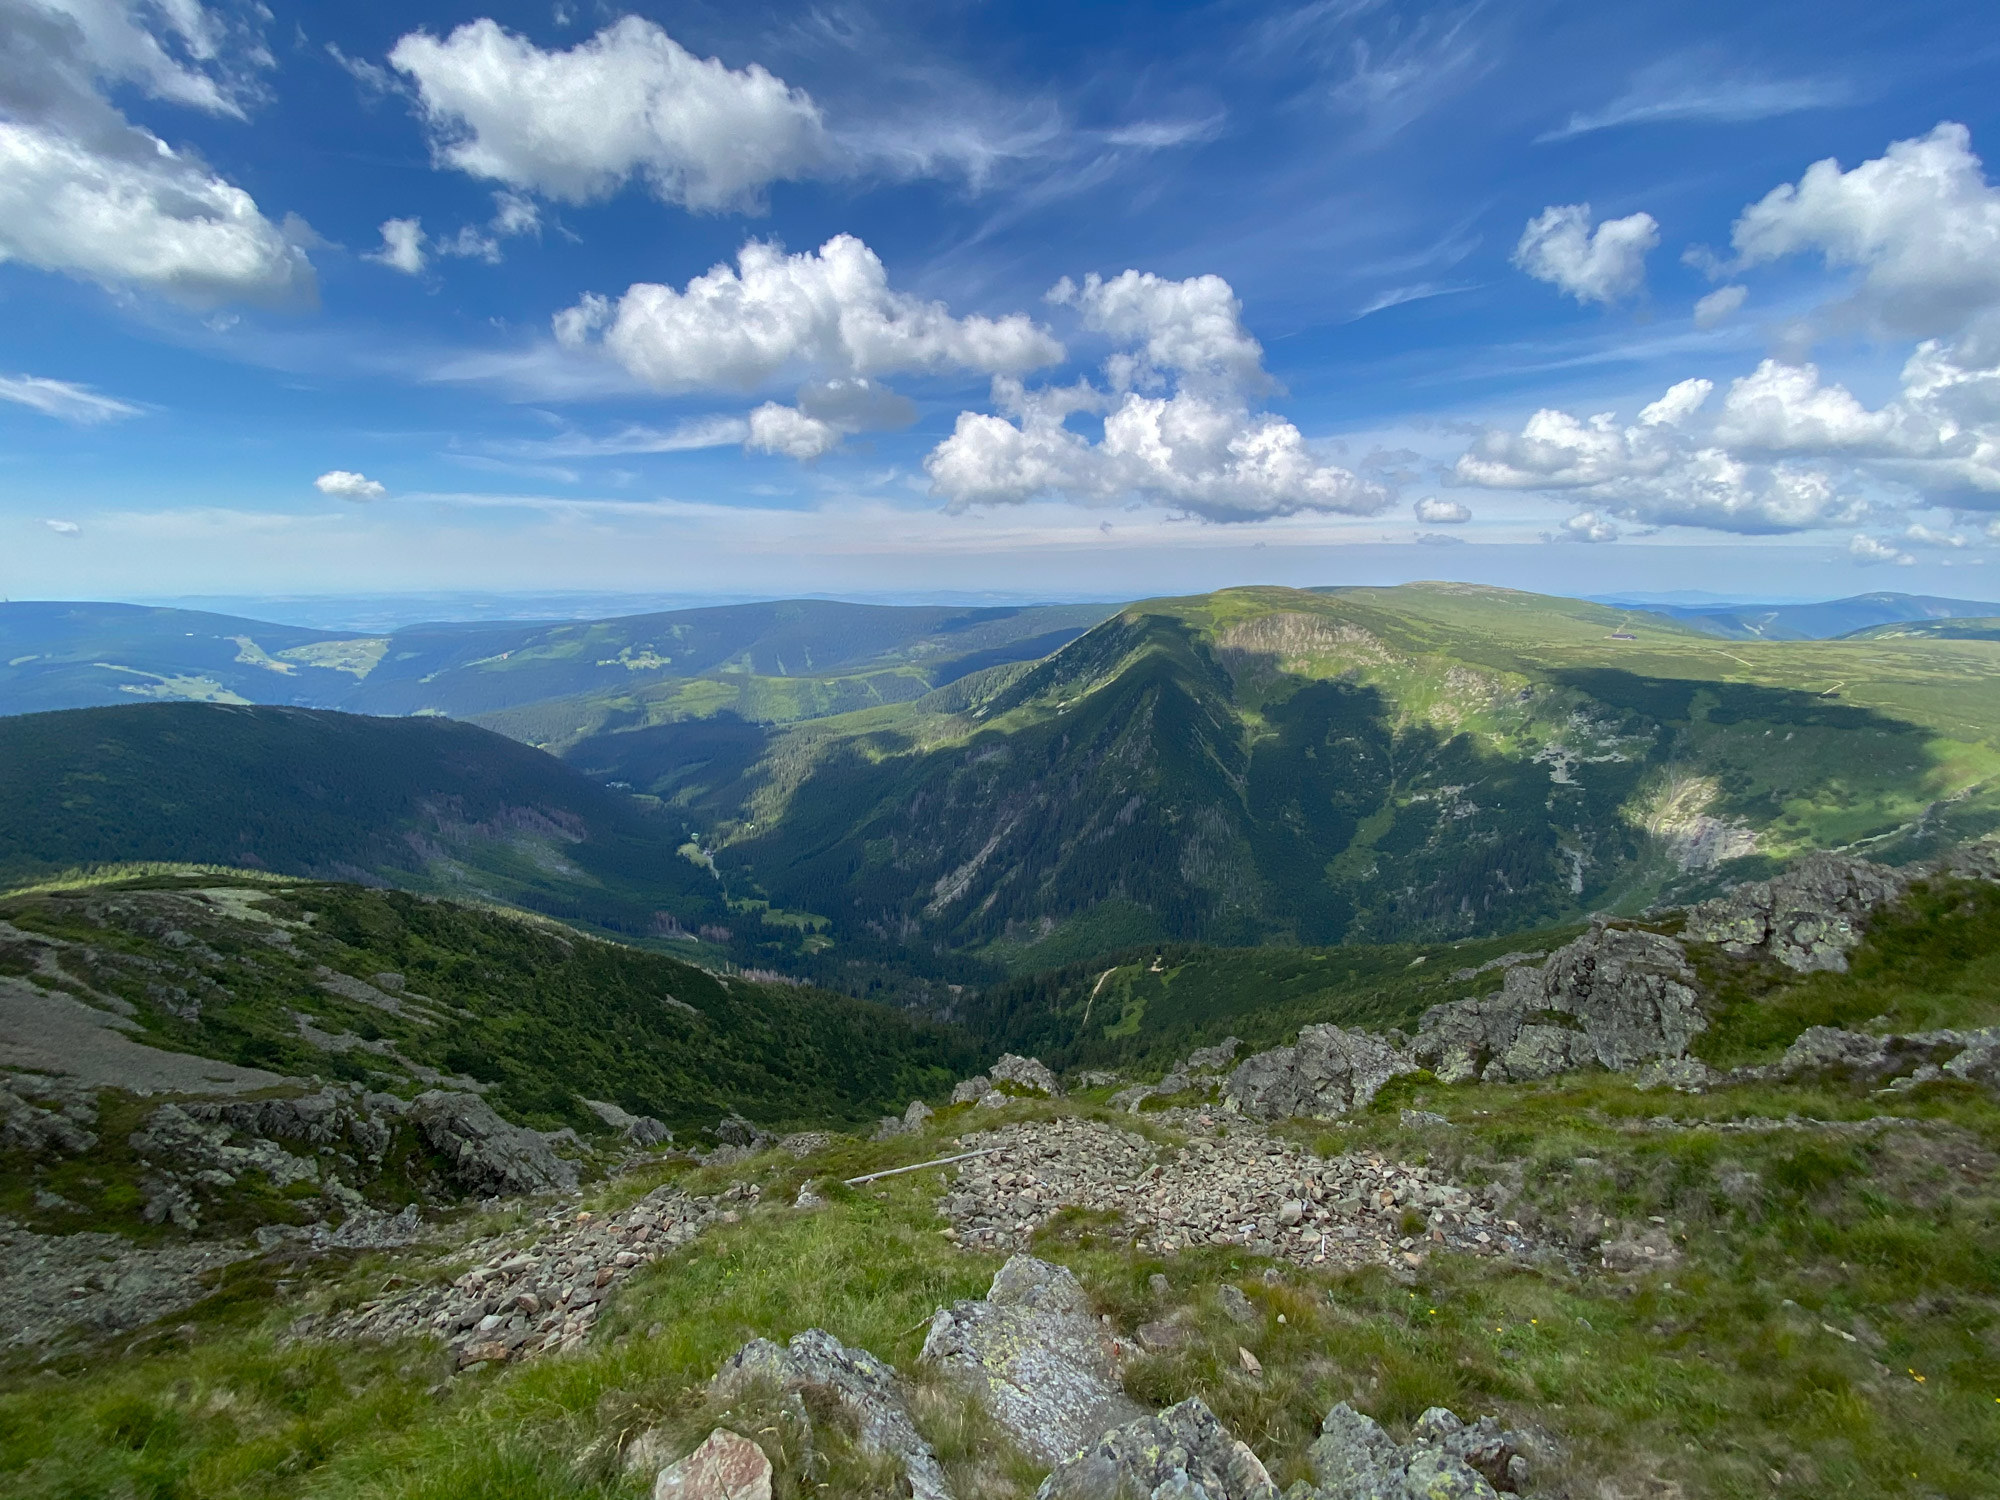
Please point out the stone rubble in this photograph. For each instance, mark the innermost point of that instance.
(1036, 1358)
(1242, 1189)
(867, 1391)
(528, 1295)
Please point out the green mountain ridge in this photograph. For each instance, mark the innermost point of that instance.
(428, 804)
(1278, 765)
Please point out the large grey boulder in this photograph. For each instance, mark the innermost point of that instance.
(486, 1154)
(1807, 918)
(862, 1386)
(1035, 1358)
(1029, 1073)
(1328, 1071)
(1182, 1453)
(1617, 997)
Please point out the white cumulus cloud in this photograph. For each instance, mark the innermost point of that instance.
(345, 484)
(825, 314)
(64, 528)
(1920, 223)
(1202, 446)
(402, 246)
(1589, 526)
(1604, 265)
(63, 400)
(85, 193)
(630, 102)
(1435, 512)
(788, 431)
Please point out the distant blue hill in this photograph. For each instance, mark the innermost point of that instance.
(1808, 622)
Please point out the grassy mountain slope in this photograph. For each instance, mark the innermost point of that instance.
(1820, 1316)
(1987, 629)
(1376, 764)
(423, 803)
(540, 1016)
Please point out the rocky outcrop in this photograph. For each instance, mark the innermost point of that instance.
(1899, 1060)
(1029, 1073)
(1328, 1071)
(1036, 1359)
(971, 1090)
(1808, 918)
(40, 1115)
(1182, 1453)
(486, 1155)
(1445, 1459)
(909, 1122)
(1617, 997)
(639, 1130)
(862, 1386)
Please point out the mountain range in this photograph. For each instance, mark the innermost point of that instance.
(1249, 767)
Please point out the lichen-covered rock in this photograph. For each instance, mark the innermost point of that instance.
(1026, 1073)
(1445, 1459)
(1807, 918)
(486, 1154)
(1354, 1459)
(1328, 1071)
(865, 1388)
(1035, 1357)
(1182, 1453)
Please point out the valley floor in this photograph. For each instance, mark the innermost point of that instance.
(1763, 1290)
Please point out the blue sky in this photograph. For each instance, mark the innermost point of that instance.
(1104, 300)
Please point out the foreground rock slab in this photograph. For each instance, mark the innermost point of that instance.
(724, 1467)
(865, 1388)
(1182, 1453)
(1036, 1358)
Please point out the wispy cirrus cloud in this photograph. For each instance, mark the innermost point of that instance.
(63, 400)
(1687, 91)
